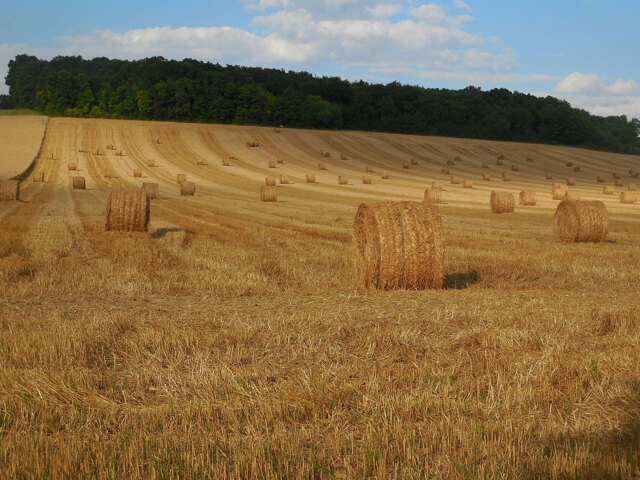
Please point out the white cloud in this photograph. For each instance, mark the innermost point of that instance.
(592, 84)
(461, 5)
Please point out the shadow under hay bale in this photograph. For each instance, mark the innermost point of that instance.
(581, 221)
(460, 280)
(161, 232)
(151, 190)
(9, 190)
(127, 211)
(399, 245)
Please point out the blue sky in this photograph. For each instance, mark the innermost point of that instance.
(580, 50)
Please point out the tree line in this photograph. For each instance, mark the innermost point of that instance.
(195, 91)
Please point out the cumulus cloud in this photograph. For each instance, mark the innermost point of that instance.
(592, 84)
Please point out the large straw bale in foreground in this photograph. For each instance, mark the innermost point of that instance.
(127, 210)
(151, 190)
(399, 245)
(187, 188)
(9, 190)
(581, 221)
(527, 198)
(268, 194)
(78, 183)
(629, 197)
(502, 202)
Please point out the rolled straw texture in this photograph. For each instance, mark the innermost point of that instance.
(502, 202)
(127, 210)
(78, 183)
(187, 188)
(527, 198)
(268, 194)
(581, 221)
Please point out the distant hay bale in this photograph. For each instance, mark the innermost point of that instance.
(156, 141)
(572, 196)
(405, 165)
(226, 162)
(569, 164)
(600, 179)
(187, 188)
(628, 196)
(619, 183)
(548, 176)
(467, 184)
(571, 182)
(366, 180)
(151, 190)
(500, 157)
(558, 193)
(38, 177)
(577, 169)
(109, 147)
(108, 173)
(451, 163)
(557, 185)
(436, 185)
(78, 183)
(268, 194)
(119, 153)
(384, 176)
(486, 176)
(581, 221)
(325, 154)
(151, 163)
(368, 169)
(414, 161)
(432, 195)
(96, 152)
(252, 144)
(50, 157)
(343, 157)
(527, 198)
(607, 190)
(281, 161)
(269, 181)
(9, 190)
(615, 176)
(311, 178)
(272, 164)
(72, 166)
(321, 166)
(458, 158)
(485, 165)
(630, 171)
(632, 186)
(399, 245)
(342, 180)
(201, 162)
(506, 177)
(127, 210)
(455, 180)
(284, 179)
(182, 177)
(444, 171)
(499, 162)
(529, 159)
(515, 168)
(502, 202)
(137, 173)
(83, 150)
(635, 175)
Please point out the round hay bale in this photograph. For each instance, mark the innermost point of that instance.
(405, 165)
(500, 157)
(72, 166)
(343, 157)
(528, 198)
(548, 176)
(486, 176)
(619, 183)
(325, 154)
(577, 169)
(151, 163)
(38, 177)
(572, 196)
(558, 193)
(311, 178)
(272, 164)
(467, 184)
(600, 179)
(607, 190)
(414, 161)
(432, 195)
(399, 245)
(569, 164)
(108, 173)
(9, 190)
(366, 180)
(557, 185)
(268, 194)
(156, 141)
(628, 197)
(455, 180)
(109, 147)
(119, 153)
(187, 188)
(342, 180)
(529, 159)
(499, 162)
(502, 202)
(182, 177)
(506, 177)
(384, 176)
(151, 190)
(281, 161)
(322, 166)
(631, 186)
(581, 221)
(50, 157)
(137, 173)
(571, 182)
(368, 169)
(127, 210)
(458, 158)
(444, 171)
(78, 183)
(201, 162)
(437, 185)
(270, 181)
(226, 162)
(284, 179)
(515, 168)
(451, 163)
(485, 165)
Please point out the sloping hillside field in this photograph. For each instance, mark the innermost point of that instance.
(20, 139)
(233, 340)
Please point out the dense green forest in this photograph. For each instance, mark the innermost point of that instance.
(190, 90)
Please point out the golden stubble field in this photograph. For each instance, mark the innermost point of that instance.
(233, 342)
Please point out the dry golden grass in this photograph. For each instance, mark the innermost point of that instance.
(233, 341)
(20, 140)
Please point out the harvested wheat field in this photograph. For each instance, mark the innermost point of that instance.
(235, 338)
(20, 139)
